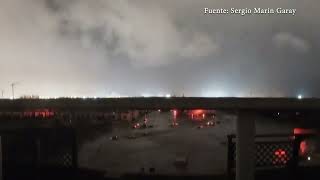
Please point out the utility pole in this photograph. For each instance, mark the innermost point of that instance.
(12, 88)
(2, 93)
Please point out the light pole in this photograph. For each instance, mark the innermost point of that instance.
(12, 88)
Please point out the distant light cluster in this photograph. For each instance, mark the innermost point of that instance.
(96, 97)
(146, 95)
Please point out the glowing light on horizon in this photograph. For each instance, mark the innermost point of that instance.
(216, 93)
(146, 95)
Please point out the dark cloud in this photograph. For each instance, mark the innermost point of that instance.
(103, 47)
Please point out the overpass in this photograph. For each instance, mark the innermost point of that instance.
(246, 109)
(154, 103)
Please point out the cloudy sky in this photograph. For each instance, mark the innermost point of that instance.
(150, 47)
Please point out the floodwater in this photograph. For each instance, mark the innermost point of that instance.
(203, 151)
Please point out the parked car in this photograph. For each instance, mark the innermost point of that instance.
(210, 123)
(132, 136)
(114, 138)
(174, 124)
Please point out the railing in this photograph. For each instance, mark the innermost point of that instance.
(30, 149)
(273, 151)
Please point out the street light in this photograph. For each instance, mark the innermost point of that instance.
(12, 88)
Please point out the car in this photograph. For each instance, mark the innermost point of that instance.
(200, 127)
(210, 123)
(181, 161)
(145, 134)
(143, 126)
(136, 126)
(174, 124)
(132, 136)
(114, 138)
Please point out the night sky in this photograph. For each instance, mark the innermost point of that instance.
(151, 48)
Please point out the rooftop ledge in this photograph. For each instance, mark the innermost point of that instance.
(104, 104)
